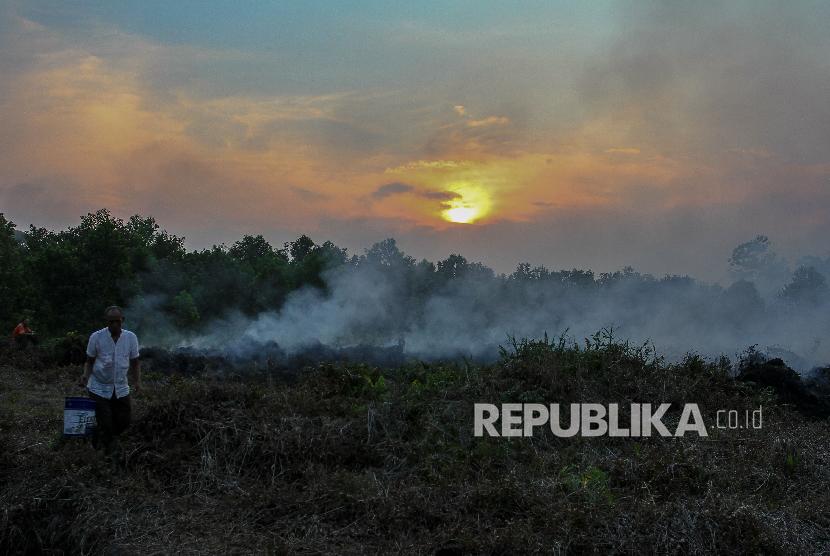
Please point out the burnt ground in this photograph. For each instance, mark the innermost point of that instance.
(351, 458)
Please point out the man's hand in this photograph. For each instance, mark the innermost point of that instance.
(87, 372)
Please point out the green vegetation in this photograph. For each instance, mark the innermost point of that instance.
(61, 280)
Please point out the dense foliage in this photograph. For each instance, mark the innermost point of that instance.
(63, 279)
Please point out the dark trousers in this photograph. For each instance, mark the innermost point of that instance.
(113, 418)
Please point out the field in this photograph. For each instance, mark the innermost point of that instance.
(348, 458)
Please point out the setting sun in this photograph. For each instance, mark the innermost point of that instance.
(461, 215)
(471, 204)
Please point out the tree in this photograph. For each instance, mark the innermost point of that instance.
(13, 289)
(309, 261)
(219, 282)
(577, 278)
(251, 249)
(525, 273)
(145, 235)
(742, 304)
(185, 312)
(386, 254)
(751, 256)
(806, 288)
(300, 248)
(756, 262)
(269, 267)
(452, 267)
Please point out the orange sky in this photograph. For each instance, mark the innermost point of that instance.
(101, 116)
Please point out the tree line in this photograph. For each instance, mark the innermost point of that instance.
(61, 280)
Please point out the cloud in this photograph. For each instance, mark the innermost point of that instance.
(53, 199)
(391, 189)
(622, 150)
(397, 188)
(309, 195)
(429, 164)
(752, 153)
(699, 78)
(489, 121)
(491, 135)
(440, 195)
(84, 122)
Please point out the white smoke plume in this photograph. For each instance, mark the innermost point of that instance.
(468, 311)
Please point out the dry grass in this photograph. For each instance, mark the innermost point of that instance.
(354, 459)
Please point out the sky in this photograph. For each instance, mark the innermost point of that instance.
(570, 134)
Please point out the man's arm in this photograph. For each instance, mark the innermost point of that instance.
(91, 352)
(90, 361)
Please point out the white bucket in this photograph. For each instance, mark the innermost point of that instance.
(78, 416)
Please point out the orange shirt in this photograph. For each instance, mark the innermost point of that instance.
(20, 329)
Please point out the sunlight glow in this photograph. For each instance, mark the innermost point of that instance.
(461, 215)
(471, 204)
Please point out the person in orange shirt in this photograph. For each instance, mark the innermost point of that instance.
(23, 335)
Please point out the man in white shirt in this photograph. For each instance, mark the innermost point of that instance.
(112, 355)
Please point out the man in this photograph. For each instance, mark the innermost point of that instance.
(23, 335)
(112, 355)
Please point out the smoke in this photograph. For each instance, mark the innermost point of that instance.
(462, 309)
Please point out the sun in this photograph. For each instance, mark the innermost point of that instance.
(471, 203)
(461, 215)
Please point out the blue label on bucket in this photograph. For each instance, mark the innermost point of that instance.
(79, 403)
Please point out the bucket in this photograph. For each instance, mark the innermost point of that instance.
(78, 416)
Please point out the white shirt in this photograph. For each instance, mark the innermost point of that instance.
(112, 360)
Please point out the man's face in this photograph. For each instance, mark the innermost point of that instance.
(114, 321)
